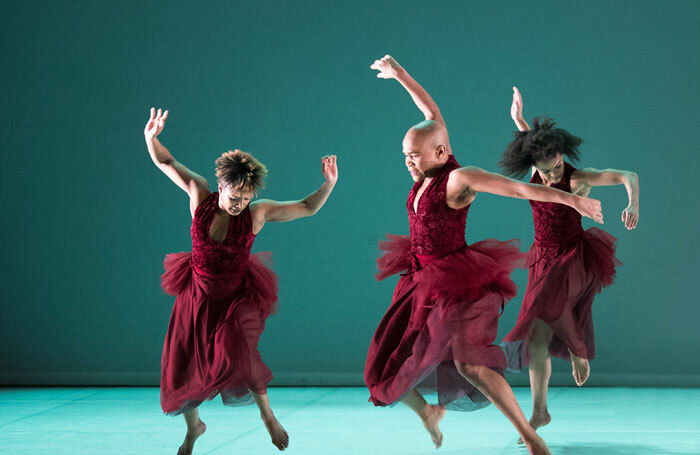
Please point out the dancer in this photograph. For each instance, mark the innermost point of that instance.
(568, 266)
(224, 294)
(438, 332)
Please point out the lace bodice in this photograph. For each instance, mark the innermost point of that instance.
(436, 229)
(556, 225)
(228, 256)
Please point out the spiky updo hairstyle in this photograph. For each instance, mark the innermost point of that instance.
(240, 169)
(542, 142)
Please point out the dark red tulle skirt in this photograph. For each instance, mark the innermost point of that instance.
(211, 346)
(443, 310)
(560, 290)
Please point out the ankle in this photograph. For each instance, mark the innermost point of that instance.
(541, 412)
(195, 429)
(268, 417)
(423, 412)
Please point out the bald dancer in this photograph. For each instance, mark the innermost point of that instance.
(438, 333)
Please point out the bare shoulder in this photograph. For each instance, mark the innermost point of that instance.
(468, 175)
(258, 214)
(201, 191)
(583, 172)
(580, 185)
(198, 194)
(459, 191)
(258, 208)
(467, 171)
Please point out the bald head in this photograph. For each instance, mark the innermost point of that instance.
(427, 136)
(428, 127)
(426, 147)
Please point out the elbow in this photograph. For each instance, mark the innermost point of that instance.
(309, 210)
(631, 177)
(163, 162)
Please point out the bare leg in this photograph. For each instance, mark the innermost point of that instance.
(195, 428)
(497, 390)
(279, 436)
(579, 365)
(581, 369)
(540, 372)
(428, 413)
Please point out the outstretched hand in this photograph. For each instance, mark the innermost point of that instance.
(516, 109)
(155, 123)
(590, 208)
(630, 216)
(329, 168)
(387, 66)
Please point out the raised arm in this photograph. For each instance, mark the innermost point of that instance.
(191, 183)
(516, 111)
(589, 177)
(474, 179)
(265, 210)
(389, 68)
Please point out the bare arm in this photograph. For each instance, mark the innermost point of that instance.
(516, 111)
(191, 183)
(389, 68)
(478, 180)
(268, 210)
(590, 177)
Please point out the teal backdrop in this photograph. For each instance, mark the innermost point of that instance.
(87, 218)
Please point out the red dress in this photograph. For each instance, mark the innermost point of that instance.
(224, 294)
(568, 267)
(445, 306)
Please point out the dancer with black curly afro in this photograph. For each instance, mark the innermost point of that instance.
(438, 333)
(568, 265)
(223, 293)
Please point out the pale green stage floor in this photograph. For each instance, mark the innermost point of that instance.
(105, 421)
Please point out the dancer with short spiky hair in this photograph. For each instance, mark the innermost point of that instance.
(568, 266)
(224, 294)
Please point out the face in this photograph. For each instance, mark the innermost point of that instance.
(422, 156)
(234, 200)
(551, 170)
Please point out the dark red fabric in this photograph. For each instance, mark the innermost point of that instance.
(224, 294)
(567, 268)
(435, 228)
(445, 306)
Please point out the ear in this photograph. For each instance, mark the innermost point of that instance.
(440, 151)
(221, 190)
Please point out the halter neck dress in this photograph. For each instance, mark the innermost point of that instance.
(445, 306)
(223, 296)
(568, 266)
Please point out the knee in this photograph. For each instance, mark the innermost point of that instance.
(470, 372)
(539, 352)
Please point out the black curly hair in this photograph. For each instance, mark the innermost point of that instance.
(237, 168)
(541, 142)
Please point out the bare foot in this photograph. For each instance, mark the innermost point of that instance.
(190, 438)
(432, 416)
(537, 446)
(279, 436)
(581, 369)
(538, 420)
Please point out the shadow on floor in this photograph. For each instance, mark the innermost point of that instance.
(621, 449)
